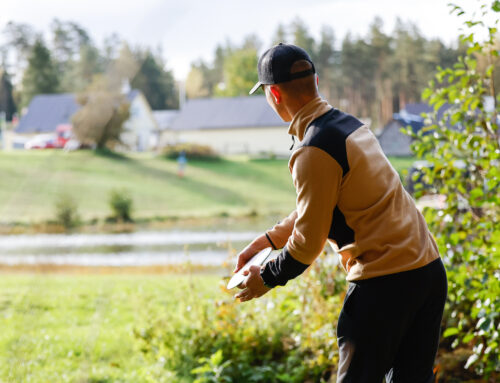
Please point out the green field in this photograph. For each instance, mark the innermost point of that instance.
(31, 182)
(81, 328)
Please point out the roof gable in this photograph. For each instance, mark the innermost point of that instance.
(46, 111)
(225, 113)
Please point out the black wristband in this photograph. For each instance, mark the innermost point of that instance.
(279, 271)
(271, 242)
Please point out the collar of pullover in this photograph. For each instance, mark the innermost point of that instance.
(307, 114)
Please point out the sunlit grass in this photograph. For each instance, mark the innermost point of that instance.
(80, 328)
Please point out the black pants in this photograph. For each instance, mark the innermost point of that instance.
(390, 326)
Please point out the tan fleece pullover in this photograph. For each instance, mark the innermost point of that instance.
(390, 234)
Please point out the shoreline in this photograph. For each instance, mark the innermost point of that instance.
(154, 223)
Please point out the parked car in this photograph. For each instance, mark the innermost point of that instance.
(42, 141)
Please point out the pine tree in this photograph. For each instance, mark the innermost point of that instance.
(41, 76)
(7, 104)
(156, 83)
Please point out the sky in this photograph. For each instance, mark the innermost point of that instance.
(187, 30)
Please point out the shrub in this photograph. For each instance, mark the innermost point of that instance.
(66, 211)
(121, 204)
(286, 336)
(192, 152)
(464, 156)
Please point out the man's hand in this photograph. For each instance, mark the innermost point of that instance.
(258, 244)
(253, 286)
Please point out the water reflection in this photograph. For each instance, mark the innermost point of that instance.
(131, 249)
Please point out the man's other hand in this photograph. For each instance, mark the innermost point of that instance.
(253, 286)
(258, 244)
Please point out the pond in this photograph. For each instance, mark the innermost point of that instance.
(142, 248)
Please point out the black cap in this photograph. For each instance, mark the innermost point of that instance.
(275, 65)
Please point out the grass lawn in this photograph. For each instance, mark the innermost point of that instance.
(31, 182)
(80, 328)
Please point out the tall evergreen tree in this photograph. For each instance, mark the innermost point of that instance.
(7, 104)
(302, 38)
(280, 35)
(157, 84)
(41, 75)
(325, 62)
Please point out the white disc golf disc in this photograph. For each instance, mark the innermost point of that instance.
(257, 260)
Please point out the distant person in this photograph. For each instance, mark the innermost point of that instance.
(181, 162)
(349, 194)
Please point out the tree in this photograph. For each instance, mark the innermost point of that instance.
(325, 62)
(41, 75)
(240, 73)
(19, 38)
(280, 35)
(7, 104)
(464, 153)
(302, 38)
(123, 69)
(195, 84)
(156, 83)
(99, 122)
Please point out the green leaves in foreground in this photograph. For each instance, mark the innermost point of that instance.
(463, 147)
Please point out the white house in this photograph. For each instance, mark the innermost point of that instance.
(47, 111)
(241, 125)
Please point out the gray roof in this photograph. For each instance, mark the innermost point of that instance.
(226, 113)
(164, 118)
(46, 111)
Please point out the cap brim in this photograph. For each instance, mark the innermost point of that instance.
(255, 87)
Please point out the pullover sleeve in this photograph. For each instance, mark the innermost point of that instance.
(317, 178)
(279, 234)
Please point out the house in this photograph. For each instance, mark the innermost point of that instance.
(392, 140)
(164, 119)
(48, 111)
(141, 129)
(240, 125)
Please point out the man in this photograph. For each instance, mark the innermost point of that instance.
(349, 194)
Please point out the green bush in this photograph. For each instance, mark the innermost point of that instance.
(464, 150)
(66, 211)
(286, 336)
(121, 203)
(192, 152)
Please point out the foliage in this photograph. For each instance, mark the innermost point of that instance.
(240, 73)
(121, 204)
(99, 122)
(155, 82)
(7, 104)
(41, 75)
(287, 336)
(66, 211)
(464, 149)
(191, 151)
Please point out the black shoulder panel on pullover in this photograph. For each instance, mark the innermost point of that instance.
(329, 133)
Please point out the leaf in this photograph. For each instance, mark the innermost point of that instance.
(472, 359)
(450, 331)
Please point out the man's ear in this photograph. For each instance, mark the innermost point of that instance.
(317, 81)
(275, 91)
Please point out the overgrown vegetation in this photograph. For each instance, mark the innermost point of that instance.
(121, 204)
(464, 150)
(66, 211)
(286, 336)
(191, 151)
